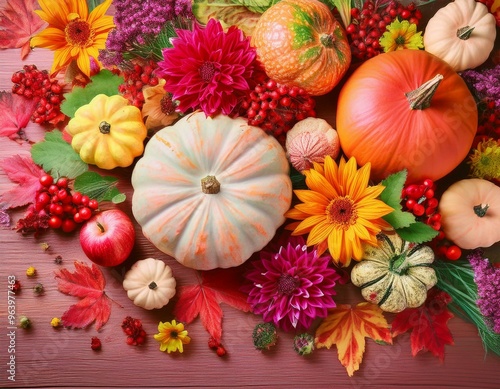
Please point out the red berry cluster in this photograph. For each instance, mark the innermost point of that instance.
(276, 108)
(369, 24)
(489, 121)
(135, 79)
(35, 84)
(134, 331)
(64, 208)
(217, 346)
(419, 199)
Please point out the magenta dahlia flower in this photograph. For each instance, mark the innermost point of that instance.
(207, 68)
(291, 287)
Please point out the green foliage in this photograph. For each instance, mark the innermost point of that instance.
(57, 157)
(104, 82)
(99, 187)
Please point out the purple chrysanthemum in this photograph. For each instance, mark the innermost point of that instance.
(208, 68)
(485, 82)
(291, 287)
(487, 279)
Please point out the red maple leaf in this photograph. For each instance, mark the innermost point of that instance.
(23, 171)
(86, 283)
(429, 324)
(15, 113)
(18, 23)
(203, 299)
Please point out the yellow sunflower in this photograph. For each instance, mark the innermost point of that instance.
(72, 33)
(339, 211)
(172, 336)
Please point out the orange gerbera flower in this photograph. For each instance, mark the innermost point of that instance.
(158, 108)
(73, 33)
(339, 211)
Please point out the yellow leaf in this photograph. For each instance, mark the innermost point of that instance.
(347, 328)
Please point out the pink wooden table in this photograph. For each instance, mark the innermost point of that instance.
(46, 357)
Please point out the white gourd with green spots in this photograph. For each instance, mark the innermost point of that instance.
(396, 274)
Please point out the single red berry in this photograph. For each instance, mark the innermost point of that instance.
(68, 225)
(62, 182)
(93, 204)
(213, 343)
(85, 213)
(77, 198)
(46, 180)
(418, 209)
(95, 343)
(221, 351)
(453, 253)
(55, 222)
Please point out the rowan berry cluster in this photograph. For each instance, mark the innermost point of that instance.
(369, 24)
(32, 83)
(135, 79)
(134, 331)
(64, 208)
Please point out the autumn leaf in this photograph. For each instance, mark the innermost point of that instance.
(86, 283)
(23, 171)
(18, 23)
(428, 324)
(347, 328)
(203, 298)
(15, 113)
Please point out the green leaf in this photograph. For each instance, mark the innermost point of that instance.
(391, 195)
(57, 157)
(93, 3)
(101, 188)
(259, 6)
(104, 82)
(227, 12)
(297, 178)
(417, 232)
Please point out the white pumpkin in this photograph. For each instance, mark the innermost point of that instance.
(150, 283)
(211, 191)
(462, 33)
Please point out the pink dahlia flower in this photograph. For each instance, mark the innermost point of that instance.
(208, 68)
(291, 287)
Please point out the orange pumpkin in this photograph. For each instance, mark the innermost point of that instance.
(300, 43)
(406, 109)
(470, 213)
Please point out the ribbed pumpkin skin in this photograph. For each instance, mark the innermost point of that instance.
(375, 123)
(384, 286)
(288, 42)
(207, 231)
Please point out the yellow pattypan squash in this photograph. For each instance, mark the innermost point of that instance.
(108, 132)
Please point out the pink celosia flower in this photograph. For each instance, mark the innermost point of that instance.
(208, 68)
(291, 287)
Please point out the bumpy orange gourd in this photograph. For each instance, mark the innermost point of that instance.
(300, 43)
(470, 213)
(385, 119)
(211, 191)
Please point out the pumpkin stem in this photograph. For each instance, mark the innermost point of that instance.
(421, 97)
(210, 185)
(104, 127)
(464, 33)
(327, 40)
(152, 285)
(480, 209)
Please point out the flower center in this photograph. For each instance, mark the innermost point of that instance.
(78, 32)
(207, 71)
(341, 212)
(287, 284)
(400, 40)
(173, 334)
(167, 106)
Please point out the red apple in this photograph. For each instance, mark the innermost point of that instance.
(108, 237)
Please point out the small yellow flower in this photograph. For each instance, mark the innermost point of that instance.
(485, 160)
(401, 35)
(172, 336)
(30, 271)
(55, 322)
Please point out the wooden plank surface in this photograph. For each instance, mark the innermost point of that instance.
(47, 357)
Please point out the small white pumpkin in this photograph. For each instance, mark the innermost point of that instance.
(462, 34)
(150, 283)
(396, 274)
